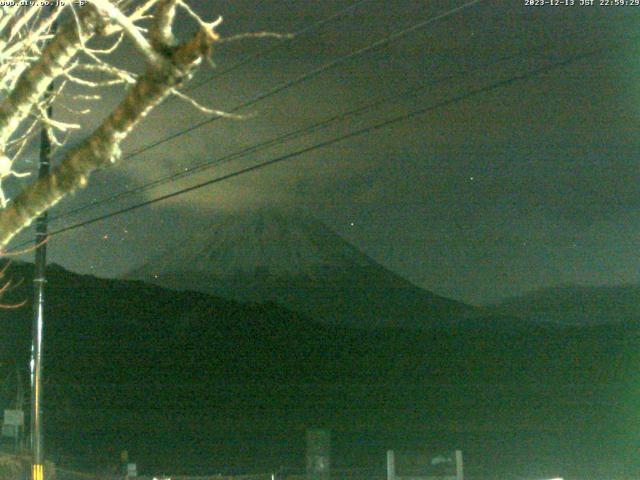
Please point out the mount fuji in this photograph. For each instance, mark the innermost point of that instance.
(296, 261)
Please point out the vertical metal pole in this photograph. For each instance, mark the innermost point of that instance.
(39, 280)
(20, 407)
(391, 465)
(459, 467)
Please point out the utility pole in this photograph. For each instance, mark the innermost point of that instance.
(39, 280)
(19, 407)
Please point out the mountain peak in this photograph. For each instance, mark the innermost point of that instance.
(290, 258)
(264, 242)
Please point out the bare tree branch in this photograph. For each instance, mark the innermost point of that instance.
(102, 147)
(35, 80)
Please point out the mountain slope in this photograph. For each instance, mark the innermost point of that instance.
(295, 261)
(575, 305)
(186, 380)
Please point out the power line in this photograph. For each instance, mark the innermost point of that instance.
(296, 35)
(352, 134)
(284, 138)
(309, 75)
(289, 136)
(285, 85)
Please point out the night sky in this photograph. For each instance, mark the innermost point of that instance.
(529, 185)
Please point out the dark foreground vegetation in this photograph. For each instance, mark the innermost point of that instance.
(191, 383)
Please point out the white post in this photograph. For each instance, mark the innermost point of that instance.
(391, 465)
(459, 469)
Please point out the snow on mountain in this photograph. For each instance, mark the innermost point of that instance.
(296, 261)
(260, 242)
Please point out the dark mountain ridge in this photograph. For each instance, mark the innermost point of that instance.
(296, 261)
(132, 365)
(574, 305)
